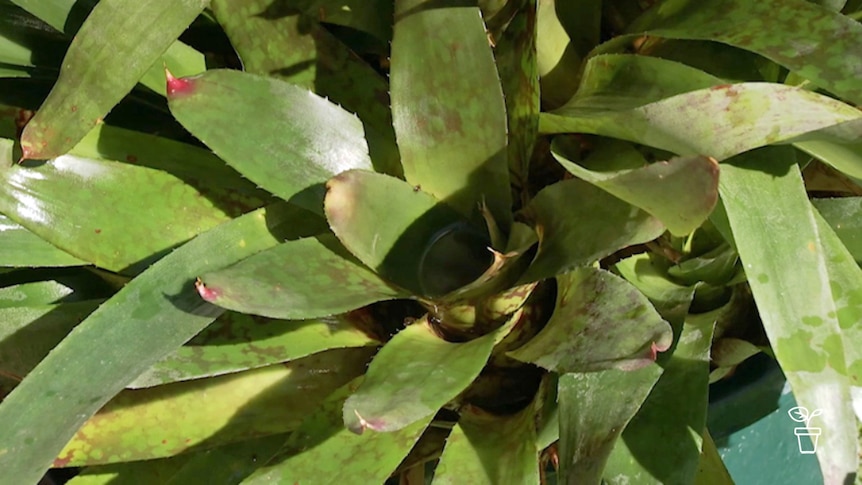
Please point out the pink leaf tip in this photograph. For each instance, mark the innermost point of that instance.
(177, 86)
(207, 294)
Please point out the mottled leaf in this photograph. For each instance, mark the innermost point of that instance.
(414, 375)
(306, 278)
(323, 449)
(170, 419)
(448, 107)
(487, 449)
(680, 192)
(843, 215)
(55, 201)
(316, 60)
(293, 140)
(402, 247)
(783, 254)
(94, 78)
(589, 427)
(236, 342)
(158, 311)
(21, 248)
(600, 321)
(674, 415)
(595, 224)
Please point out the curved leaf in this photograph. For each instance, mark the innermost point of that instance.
(595, 224)
(600, 322)
(414, 375)
(488, 449)
(448, 107)
(55, 200)
(322, 447)
(842, 214)
(783, 253)
(94, 79)
(237, 342)
(680, 192)
(159, 311)
(170, 419)
(20, 248)
(292, 139)
(399, 247)
(306, 278)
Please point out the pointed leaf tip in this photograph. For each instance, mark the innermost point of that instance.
(177, 86)
(207, 294)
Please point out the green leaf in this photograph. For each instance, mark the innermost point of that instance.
(558, 56)
(782, 251)
(306, 278)
(28, 333)
(167, 420)
(26, 43)
(414, 375)
(237, 342)
(670, 299)
(720, 122)
(402, 248)
(773, 29)
(322, 447)
(488, 449)
(55, 201)
(711, 469)
(94, 78)
(842, 214)
(373, 17)
(37, 287)
(20, 248)
(316, 60)
(715, 267)
(680, 192)
(600, 321)
(159, 311)
(293, 140)
(674, 415)
(597, 225)
(448, 107)
(589, 427)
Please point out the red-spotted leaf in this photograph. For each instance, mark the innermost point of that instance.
(600, 322)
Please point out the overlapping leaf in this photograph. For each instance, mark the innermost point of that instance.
(414, 375)
(21, 248)
(157, 311)
(94, 77)
(600, 322)
(842, 214)
(453, 146)
(293, 140)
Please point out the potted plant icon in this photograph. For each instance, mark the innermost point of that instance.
(800, 415)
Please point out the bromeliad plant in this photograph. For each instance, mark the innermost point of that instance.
(420, 275)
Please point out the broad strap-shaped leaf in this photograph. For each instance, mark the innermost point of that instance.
(673, 415)
(402, 247)
(316, 60)
(448, 107)
(414, 375)
(67, 16)
(44, 286)
(487, 449)
(711, 469)
(293, 140)
(21, 248)
(593, 225)
(323, 449)
(783, 253)
(167, 420)
(558, 56)
(159, 311)
(843, 215)
(237, 342)
(27, 45)
(770, 28)
(720, 122)
(589, 426)
(307, 278)
(516, 54)
(55, 201)
(94, 78)
(680, 192)
(600, 322)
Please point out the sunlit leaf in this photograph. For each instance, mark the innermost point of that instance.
(20, 248)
